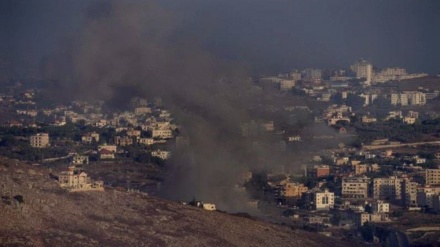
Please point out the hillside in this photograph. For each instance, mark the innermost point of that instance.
(34, 211)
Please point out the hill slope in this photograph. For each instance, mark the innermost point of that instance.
(42, 214)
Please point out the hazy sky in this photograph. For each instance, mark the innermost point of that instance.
(271, 35)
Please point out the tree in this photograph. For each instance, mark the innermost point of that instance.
(367, 231)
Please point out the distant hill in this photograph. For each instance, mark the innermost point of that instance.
(34, 211)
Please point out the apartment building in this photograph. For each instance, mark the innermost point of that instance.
(432, 176)
(40, 140)
(387, 188)
(355, 187)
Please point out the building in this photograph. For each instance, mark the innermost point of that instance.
(387, 188)
(90, 138)
(319, 200)
(80, 160)
(363, 70)
(432, 176)
(286, 85)
(123, 141)
(361, 218)
(161, 154)
(427, 195)
(77, 180)
(313, 75)
(40, 140)
(409, 192)
(111, 148)
(355, 187)
(162, 133)
(409, 120)
(380, 207)
(105, 154)
(146, 141)
(290, 189)
(321, 171)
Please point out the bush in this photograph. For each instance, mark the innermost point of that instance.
(19, 198)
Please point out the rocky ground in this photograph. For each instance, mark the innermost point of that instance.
(34, 211)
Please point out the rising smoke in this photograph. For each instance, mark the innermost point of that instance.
(133, 49)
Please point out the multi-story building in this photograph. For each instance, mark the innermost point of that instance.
(408, 98)
(40, 140)
(363, 69)
(355, 187)
(432, 176)
(387, 188)
(77, 180)
(321, 171)
(427, 195)
(319, 200)
(409, 192)
(312, 75)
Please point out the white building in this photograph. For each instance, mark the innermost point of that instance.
(364, 70)
(324, 200)
(380, 207)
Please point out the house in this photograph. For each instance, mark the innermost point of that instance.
(133, 133)
(161, 154)
(80, 159)
(77, 180)
(89, 138)
(123, 141)
(111, 148)
(106, 154)
(146, 141)
(162, 133)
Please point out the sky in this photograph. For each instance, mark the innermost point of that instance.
(269, 36)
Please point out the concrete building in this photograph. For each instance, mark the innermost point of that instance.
(380, 207)
(409, 193)
(80, 160)
(427, 195)
(321, 171)
(146, 141)
(290, 189)
(355, 187)
(319, 200)
(40, 140)
(432, 176)
(77, 180)
(123, 141)
(387, 188)
(90, 138)
(111, 148)
(162, 133)
(161, 154)
(363, 70)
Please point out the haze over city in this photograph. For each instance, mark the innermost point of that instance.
(316, 120)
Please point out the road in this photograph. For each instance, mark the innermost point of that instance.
(374, 147)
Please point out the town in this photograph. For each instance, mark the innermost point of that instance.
(363, 148)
